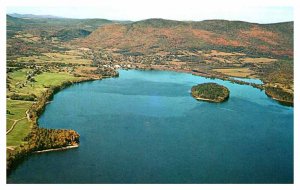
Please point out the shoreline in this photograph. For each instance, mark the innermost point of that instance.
(34, 115)
(282, 102)
(224, 78)
(221, 97)
(204, 74)
(204, 99)
(57, 149)
(209, 100)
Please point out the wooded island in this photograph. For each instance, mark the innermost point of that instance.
(211, 92)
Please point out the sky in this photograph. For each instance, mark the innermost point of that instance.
(175, 10)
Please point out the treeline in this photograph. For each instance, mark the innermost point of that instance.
(280, 95)
(41, 139)
(37, 108)
(24, 97)
(279, 72)
(105, 72)
(12, 69)
(210, 91)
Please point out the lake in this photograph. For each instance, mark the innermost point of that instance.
(250, 80)
(144, 127)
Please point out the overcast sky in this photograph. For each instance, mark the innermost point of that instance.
(175, 10)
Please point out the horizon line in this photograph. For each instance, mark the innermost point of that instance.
(51, 16)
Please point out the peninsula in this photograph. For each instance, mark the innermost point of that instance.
(46, 55)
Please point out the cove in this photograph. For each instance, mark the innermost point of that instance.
(144, 127)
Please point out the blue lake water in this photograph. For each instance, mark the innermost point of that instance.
(144, 127)
(250, 80)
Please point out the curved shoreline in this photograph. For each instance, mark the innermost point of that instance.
(207, 75)
(34, 115)
(224, 78)
(209, 100)
(57, 149)
(280, 101)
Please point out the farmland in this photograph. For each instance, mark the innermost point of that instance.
(45, 54)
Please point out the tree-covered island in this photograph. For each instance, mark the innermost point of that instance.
(211, 92)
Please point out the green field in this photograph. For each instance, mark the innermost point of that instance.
(52, 79)
(21, 86)
(9, 123)
(16, 109)
(18, 76)
(20, 131)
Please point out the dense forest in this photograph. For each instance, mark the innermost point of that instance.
(41, 139)
(210, 92)
(280, 95)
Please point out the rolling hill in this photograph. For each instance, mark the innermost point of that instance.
(54, 27)
(16, 15)
(215, 48)
(152, 35)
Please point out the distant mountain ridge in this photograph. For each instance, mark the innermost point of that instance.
(17, 15)
(33, 16)
(63, 28)
(156, 34)
(159, 34)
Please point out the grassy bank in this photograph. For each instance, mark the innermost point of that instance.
(24, 135)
